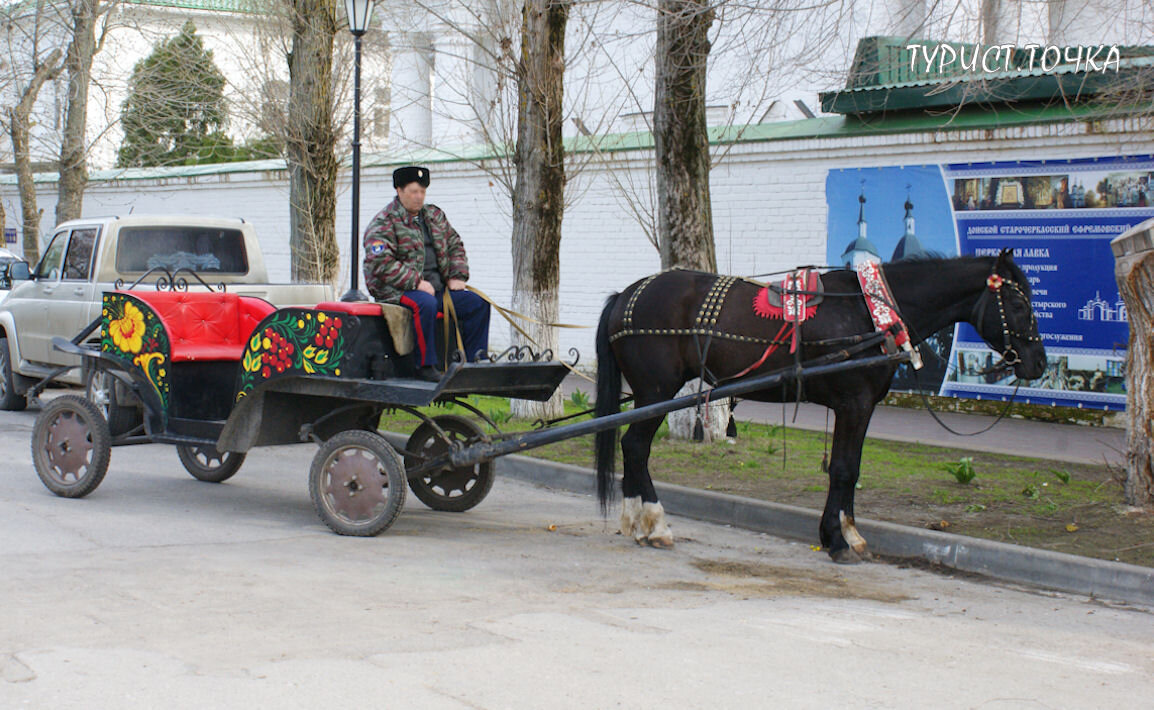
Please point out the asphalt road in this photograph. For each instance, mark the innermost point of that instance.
(160, 591)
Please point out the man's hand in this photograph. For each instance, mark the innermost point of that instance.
(427, 287)
(456, 285)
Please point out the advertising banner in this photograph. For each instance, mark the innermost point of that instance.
(1057, 215)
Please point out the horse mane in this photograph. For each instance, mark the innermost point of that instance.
(933, 259)
(922, 256)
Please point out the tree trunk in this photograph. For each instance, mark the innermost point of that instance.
(538, 194)
(19, 126)
(29, 212)
(73, 145)
(684, 219)
(1135, 275)
(681, 138)
(310, 143)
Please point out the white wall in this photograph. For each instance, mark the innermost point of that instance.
(768, 202)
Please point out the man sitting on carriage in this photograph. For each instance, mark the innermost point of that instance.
(413, 257)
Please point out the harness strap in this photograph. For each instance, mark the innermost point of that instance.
(768, 351)
(882, 308)
(451, 315)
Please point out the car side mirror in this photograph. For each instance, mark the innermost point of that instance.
(19, 271)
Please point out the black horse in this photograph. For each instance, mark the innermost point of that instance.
(657, 339)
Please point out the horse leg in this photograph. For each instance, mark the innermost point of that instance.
(839, 534)
(641, 513)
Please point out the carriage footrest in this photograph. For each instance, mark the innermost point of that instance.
(521, 380)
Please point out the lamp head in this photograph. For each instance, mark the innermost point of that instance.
(359, 13)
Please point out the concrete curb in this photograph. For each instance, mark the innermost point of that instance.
(1114, 581)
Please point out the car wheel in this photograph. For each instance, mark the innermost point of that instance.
(10, 400)
(111, 397)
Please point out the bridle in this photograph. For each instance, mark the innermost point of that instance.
(995, 284)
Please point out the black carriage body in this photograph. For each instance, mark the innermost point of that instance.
(234, 372)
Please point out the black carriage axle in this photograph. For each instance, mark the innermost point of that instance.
(487, 451)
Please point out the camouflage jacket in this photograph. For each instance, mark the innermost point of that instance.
(395, 251)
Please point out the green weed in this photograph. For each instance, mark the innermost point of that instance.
(500, 416)
(579, 399)
(962, 470)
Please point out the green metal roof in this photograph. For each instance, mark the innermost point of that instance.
(832, 127)
(887, 76)
(240, 6)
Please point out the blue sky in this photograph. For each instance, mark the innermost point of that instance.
(886, 191)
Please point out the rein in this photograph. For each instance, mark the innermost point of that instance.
(994, 285)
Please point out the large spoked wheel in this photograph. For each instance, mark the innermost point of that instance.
(10, 400)
(450, 489)
(207, 464)
(357, 483)
(113, 399)
(71, 446)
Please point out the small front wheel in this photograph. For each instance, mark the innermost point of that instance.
(357, 483)
(71, 446)
(207, 464)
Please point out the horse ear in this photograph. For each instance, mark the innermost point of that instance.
(1006, 256)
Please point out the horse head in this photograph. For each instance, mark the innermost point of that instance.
(1004, 317)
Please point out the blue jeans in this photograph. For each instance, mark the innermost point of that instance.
(472, 316)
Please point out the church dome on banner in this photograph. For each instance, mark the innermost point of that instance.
(908, 247)
(861, 249)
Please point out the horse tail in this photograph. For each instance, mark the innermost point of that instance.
(608, 402)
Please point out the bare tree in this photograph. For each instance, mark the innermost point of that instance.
(539, 191)
(43, 68)
(311, 141)
(19, 127)
(34, 59)
(685, 217)
(82, 47)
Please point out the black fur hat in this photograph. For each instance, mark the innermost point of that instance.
(410, 173)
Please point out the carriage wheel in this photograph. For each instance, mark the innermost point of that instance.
(111, 397)
(207, 464)
(454, 490)
(71, 446)
(357, 483)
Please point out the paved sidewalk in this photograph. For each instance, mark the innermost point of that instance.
(1060, 442)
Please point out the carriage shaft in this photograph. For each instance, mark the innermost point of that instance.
(487, 451)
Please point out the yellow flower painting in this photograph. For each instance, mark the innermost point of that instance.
(128, 330)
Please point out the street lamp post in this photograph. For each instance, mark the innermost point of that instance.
(359, 13)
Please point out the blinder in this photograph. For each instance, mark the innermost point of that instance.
(995, 284)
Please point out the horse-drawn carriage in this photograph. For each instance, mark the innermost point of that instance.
(217, 374)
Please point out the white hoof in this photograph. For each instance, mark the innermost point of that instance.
(852, 537)
(654, 526)
(631, 517)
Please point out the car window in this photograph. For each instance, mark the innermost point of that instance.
(78, 261)
(49, 267)
(200, 249)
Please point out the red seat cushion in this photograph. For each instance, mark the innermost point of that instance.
(354, 308)
(206, 326)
